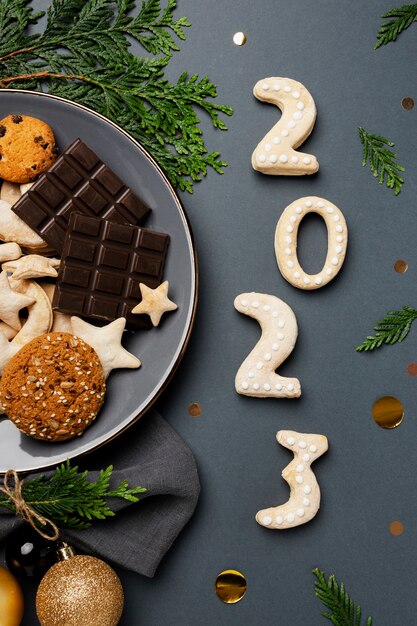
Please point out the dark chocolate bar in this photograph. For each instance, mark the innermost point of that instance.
(78, 181)
(102, 265)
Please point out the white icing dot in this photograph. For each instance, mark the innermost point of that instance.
(290, 264)
(300, 512)
(293, 219)
(267, 356)
(306, 457)
(313, 448)
(338, 249)
(329, 271)
(279, 520)
(320, 204)
(259, 365)
(267, 520)
(306, 502)
(291, 124)
(287, 251)
(274, 313)
(299, 479)
(298, 210)
(297, 275)
(309, 203)
(329, 209)
(287, 239)
(275, 346)
(294, 159)
(289, 229)
(296, 94)
(291, 441)
(307, 489)
(283, 158)
(339, 238)
(266, 307)
(255, 386)
(336, 218)
(251, 374)
(278, 387)
(267, 387)
(290, 518)
(339, 228)
(245, 386)
(273, 158)
(280, 336)
(262, 158)
(255, 304)
(307, 160)
(276, 141)
(281, 324)
(318, 280)
(335, 260)
(287, 88)
(290, 387)
(299, 468)
(306, 280)
(300, 106)
(244, 303)
(297, 115)
(302, 444)
(276, 86)
(268, 147)
(265, 86)
(285, 132)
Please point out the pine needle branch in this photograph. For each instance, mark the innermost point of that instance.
(83, 55)
(381, 160)
(392, 329)
(335, 598)
(403, 16)
(69, 499)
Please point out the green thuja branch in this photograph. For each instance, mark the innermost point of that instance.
(69, 499)
(342, 610)
(83, 54)
(403, 16)
(381, 160)
(392, 329)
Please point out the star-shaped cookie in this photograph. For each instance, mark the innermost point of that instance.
(7, 350)
(106, 341)
(155, 302)
(32, 266)
(11, 302)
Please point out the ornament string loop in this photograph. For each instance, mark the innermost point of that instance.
(12, 488)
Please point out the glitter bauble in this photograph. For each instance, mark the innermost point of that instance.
(11, 599)
(80, 591)
(28, 554)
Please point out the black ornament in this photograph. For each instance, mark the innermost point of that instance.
(28, 555)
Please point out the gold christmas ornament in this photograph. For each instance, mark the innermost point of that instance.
(79, 591)
(11, 599)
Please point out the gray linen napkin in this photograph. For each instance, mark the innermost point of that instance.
(151, 454)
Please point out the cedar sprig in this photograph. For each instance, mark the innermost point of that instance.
(403, 16)
(83, 54)
(381, 160)
(70, 499)
(342, 610)
(392, 329)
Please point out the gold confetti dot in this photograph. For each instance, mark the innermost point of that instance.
(388, 412)
(239, 39)
(407, 104)
(230, 586)
(396, 528)
(412, 369)
(401, 266)
(195, 409)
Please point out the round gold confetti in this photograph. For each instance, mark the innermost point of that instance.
(239, 39)
(388, 412)
(195, 409)
(80, 591)
(412, 369)
(230, 586)
(401, 266)
(396, 528)
(407, 104)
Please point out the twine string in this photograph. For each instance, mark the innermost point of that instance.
(12, 488)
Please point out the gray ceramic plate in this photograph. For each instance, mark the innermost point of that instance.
(130, 392)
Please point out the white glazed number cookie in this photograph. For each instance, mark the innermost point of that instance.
(256, 376)
(304, 499)
(286, 242)
(276, 153)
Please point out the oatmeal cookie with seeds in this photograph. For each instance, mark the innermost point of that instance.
(53, 388)
(27, 148)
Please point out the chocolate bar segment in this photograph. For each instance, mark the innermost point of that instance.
(103, 263)
(77, 182)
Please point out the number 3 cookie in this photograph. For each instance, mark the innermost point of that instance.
(286, 242)
(276, 153)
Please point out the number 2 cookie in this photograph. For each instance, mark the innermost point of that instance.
(276, 154)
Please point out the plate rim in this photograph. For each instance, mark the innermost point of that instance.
(160, 389)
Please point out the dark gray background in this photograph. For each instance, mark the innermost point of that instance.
(368, 476)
